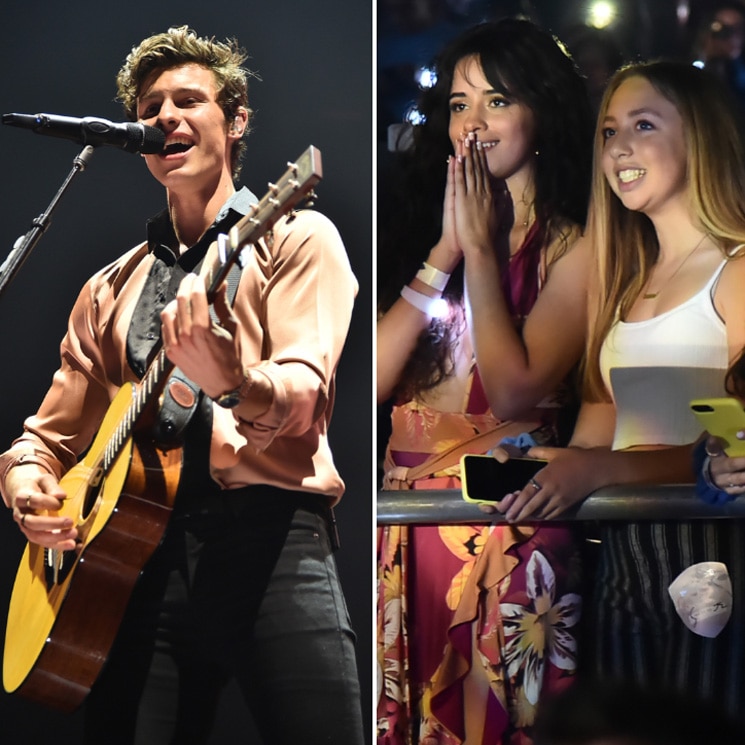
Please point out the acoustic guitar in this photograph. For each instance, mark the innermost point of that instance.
(66, 606)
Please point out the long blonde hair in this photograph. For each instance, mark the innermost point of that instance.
(625, 241)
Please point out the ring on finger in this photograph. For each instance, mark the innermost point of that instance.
(28, 502)
(536, 485)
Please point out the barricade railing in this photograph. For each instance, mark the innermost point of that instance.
(447, 507)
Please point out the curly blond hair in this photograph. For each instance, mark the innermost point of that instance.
(180, 46)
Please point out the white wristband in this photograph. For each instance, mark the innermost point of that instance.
(432, 277)
(425, 303)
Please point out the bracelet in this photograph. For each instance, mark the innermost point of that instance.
(706, 474)
(705, 487)
(432, 277)
(26, 459)
(429, 305)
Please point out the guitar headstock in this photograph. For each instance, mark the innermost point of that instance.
(294, 187)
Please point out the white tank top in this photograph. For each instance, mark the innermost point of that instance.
(654, 368)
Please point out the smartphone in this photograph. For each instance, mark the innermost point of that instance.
(485, 480)
(723, 417)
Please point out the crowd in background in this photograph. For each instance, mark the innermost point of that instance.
(514, 320)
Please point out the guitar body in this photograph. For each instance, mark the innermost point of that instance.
(66, 607)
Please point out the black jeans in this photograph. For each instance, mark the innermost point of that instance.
(249, 592)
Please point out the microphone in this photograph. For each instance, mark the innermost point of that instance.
(134, 137)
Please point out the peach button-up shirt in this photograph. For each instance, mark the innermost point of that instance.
(294, 304)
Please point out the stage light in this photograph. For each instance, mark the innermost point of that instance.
(683, 11)
(414, 116)
(440, 308)
(601, 13)
(425, 77)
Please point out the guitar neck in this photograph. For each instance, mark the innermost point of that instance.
(147, 392)
(295, 185)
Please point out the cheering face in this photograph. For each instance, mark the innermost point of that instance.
(644, 151)
(504, 126)
(182, 101)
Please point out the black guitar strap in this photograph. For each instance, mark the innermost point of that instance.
(181, 395)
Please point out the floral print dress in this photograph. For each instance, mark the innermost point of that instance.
(474, 622)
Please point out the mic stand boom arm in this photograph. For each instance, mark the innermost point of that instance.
(25, 243)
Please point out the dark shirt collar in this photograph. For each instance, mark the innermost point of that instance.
(162, 240)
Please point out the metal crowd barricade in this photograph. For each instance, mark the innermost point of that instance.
(447, 507)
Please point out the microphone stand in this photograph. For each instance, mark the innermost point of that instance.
(25, 243)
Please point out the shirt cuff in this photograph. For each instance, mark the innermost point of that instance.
(11, 460)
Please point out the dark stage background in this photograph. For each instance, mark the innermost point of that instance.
(315, 63)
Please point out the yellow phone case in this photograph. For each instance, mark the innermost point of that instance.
(723, 417)
(474, 484)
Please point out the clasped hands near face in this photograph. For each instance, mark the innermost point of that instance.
(470, 212)
(571, 474)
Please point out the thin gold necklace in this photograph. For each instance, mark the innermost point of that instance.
(653, 295)
(526, 221)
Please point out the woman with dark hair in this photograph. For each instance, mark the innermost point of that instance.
(482, 274)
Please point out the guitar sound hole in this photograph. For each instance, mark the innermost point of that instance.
(94, 488)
